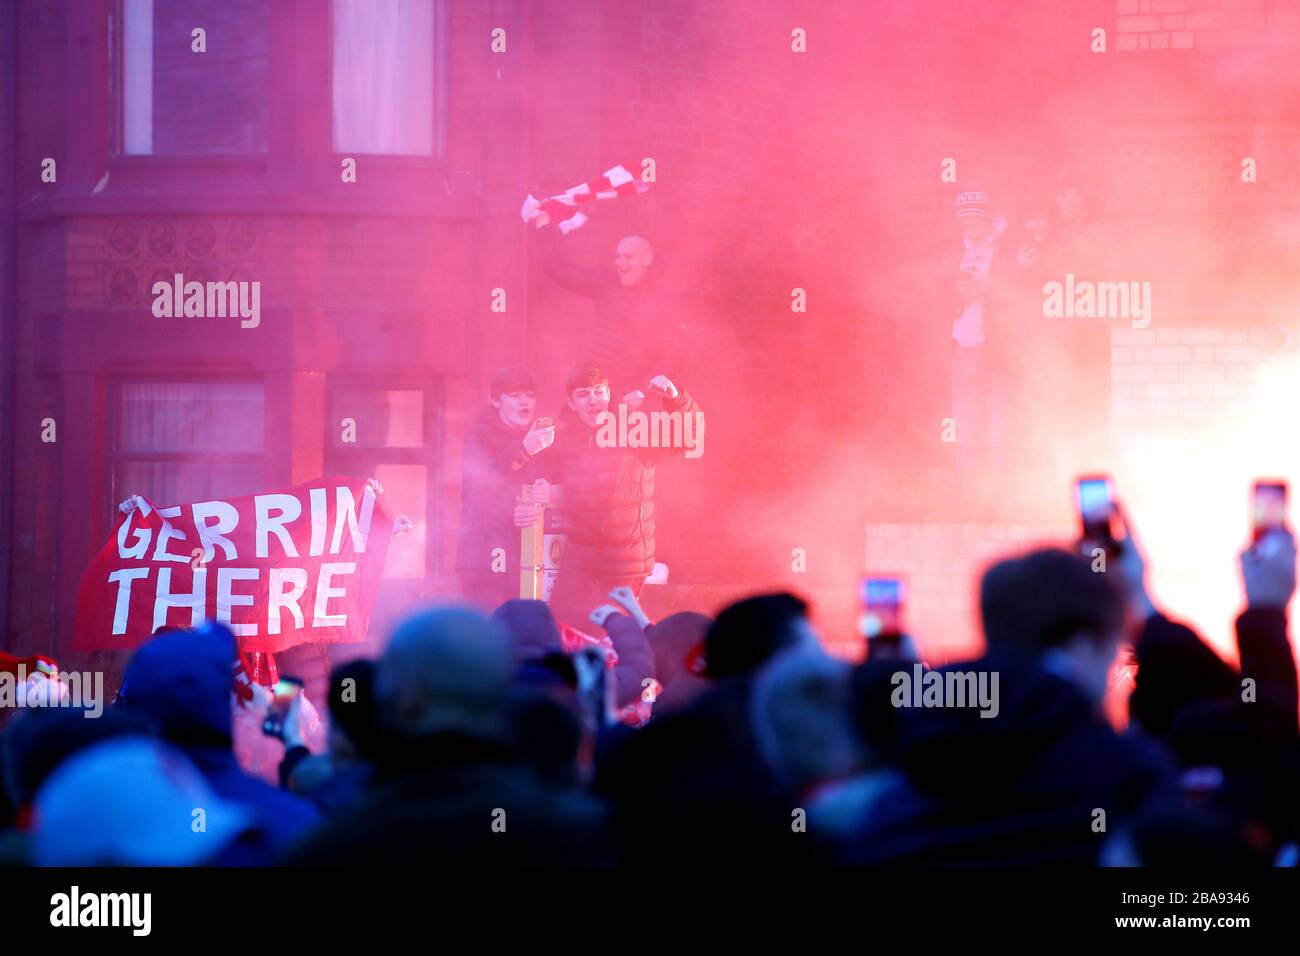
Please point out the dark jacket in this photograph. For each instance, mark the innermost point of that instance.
(691, 785)
(281, 816)
(1020, 788)
(1195, 702)
(494, 465)
(1266, 656)
(1177, 670)
(181, 681)
(341, 787)
(437, 807)
(636, 327)
(607, 502)
(636, 661)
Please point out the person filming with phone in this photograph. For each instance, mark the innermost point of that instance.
(499, 456)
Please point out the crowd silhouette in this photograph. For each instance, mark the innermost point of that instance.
(494, 739)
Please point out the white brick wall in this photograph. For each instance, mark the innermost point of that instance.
(1192, 373)
(941, 564)
(1190, 24)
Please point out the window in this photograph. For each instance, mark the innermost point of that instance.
(380, 433)
(383, 76)
(179, 442)
(178, 102)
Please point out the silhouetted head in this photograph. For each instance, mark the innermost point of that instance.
(41, 739)
(531, 627)
(799, 711)
(672, 641)
(749, 633)
(354, 728)
(1072, 196)
(182, 681)
(444, 670)
(1050, 603)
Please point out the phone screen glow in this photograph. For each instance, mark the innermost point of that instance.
(883, 592)
(1094, 498)
(286, 689)
(1270, 506)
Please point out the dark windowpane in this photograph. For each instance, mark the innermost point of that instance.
(381, 418)
(189, 417)
(217, 420)
(213, 102)
(377, 432)
(179, 483)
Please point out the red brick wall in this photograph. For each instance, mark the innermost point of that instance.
(346, 289)
(775, 170)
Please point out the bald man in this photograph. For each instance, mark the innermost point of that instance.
(639, 328)
(448, 789)
(633, 257)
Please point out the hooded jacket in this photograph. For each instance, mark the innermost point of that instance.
(531, 627)
(607, 501)
(636, 661)
(1177, 670)
(692, 785)
(1020, 788)
(454, 799)
(182, 681)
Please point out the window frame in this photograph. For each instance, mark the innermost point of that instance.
(437, 158)
(299, 167)
(354, 460)
(117, 106)
(112, 456)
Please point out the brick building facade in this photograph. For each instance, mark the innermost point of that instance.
(774, 171)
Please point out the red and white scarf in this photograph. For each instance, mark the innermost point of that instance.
(562, 209)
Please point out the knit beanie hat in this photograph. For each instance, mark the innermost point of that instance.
(974, 201)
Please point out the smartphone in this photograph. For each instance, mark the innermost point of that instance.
(695, 661)
(1096, 503)
(594, 690)
(285, 690)
(1269, 507)
(882, 607)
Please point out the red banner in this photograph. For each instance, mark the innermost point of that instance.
(281, 568)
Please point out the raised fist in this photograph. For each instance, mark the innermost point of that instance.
(663, 386)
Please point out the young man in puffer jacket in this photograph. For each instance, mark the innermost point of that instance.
(606, 478)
